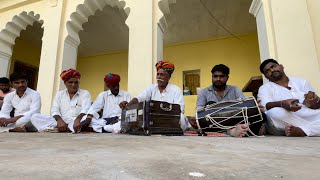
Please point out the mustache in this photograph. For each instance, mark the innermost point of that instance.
(160, 80)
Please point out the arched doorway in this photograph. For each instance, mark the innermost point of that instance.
(20, 44)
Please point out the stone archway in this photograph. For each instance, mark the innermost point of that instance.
(10, 33)
(77, 19)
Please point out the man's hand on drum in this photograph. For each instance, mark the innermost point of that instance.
(261, 107)
(123, 104)
(193, 122)
(290, 105)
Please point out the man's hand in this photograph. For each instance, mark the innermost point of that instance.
(262, 108)
(311, 99)
(4, 122)
(290, 105)
(123, 104)
(62, 126)
(77, 126)
(193, 122)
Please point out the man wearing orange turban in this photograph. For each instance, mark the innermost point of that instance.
(163, 91)
(69, 107)
(109, 101)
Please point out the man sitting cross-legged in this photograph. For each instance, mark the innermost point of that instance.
(219, 91)
(24, 100)
(69, 106)
(108, 101)
(292, 106)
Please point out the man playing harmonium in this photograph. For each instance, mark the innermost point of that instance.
(69, 106)
(163, 91)
(219, 91)
(108, 101)
(292, 106)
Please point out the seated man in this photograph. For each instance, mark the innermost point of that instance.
(108, 101)
(288, 108)
(163, 91)
(220, 91)
(69, 106)
(4, 89)
(24, 100)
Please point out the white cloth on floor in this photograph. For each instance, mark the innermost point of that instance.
(307, 119)
(28, 105)
(110, 105)
(172, 94)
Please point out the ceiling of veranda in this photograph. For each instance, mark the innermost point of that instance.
(188, 20)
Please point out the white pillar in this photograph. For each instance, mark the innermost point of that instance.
(285, 33)
(5, 60)
(140, 60)
(48, 59)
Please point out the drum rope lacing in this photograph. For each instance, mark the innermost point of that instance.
(244, 112)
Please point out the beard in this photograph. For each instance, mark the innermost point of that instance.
(219, 85)
(276, 76)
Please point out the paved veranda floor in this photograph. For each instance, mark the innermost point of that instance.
(107, 156)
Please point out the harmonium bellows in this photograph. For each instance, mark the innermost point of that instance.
(151, 117)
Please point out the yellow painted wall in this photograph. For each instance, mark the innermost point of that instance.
(241, 56)
(24, 52)
(94, 68)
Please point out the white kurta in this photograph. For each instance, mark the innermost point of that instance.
(68, 109)
(172, 94)
(307, 119)
(110, 105)
(28, 105)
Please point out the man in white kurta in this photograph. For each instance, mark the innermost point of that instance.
(287, 107)
(25, 102)
(68, 108)
(108, 101)
(164, 91)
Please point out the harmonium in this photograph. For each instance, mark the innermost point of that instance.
(151, 117)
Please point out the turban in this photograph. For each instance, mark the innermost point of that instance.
(70, 73)
(169, 67)
(112, 79)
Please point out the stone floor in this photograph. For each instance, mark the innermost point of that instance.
(107, 156)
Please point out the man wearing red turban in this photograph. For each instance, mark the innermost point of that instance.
(109, 101)
(163, 91)
(69, 107)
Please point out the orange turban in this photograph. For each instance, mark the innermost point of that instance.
(112, 79)
(167, 66)
(70, 73)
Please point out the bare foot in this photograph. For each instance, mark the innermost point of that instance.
(18, 129)
(293, 131)
(239, 131)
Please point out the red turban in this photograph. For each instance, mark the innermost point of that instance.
(70, 73)
(167, 66)
(112, 79)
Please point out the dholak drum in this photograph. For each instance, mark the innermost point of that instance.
(151, 117)
(225, 115)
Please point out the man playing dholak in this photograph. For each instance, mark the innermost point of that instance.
(163, 91)
(219, 91)
(292, 106)
(69, 106)
(24, 100)
(108, 101)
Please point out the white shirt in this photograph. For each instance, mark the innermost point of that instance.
(109, 103)
(27, 105)
(68, 109)
(172, 94)
(270, 92)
